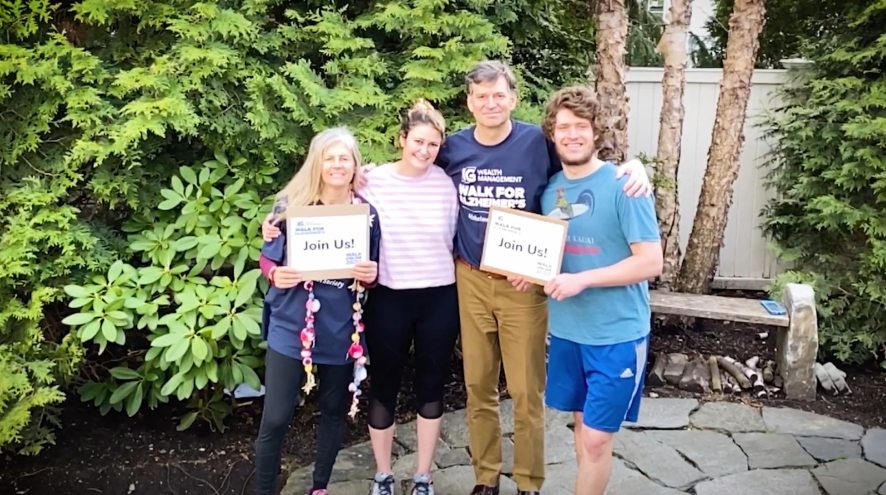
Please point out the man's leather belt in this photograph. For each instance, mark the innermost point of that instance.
(493, 276)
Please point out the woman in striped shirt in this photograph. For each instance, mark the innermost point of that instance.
(415, 304)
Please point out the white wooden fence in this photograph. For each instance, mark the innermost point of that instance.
(745, 260)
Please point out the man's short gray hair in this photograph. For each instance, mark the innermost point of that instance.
(489, 71)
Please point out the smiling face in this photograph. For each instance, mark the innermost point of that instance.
(338, 166)
(421, 146)
(573, 137)
(491, 102)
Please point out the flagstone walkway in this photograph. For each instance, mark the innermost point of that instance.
(678, 446)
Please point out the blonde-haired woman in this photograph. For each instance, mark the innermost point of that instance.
(415, 304)
(313, 325)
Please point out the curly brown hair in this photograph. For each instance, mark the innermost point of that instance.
(578, 99)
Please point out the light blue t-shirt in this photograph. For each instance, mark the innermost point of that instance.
(603, 223)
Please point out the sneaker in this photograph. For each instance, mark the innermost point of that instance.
(383, 484)
(422, 484)
(319, 491)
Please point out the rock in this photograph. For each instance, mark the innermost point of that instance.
(730, 417)
(656, 460)
(459, 480)
(849, 477)
(830, 449)
(775, 482)
(352, 464)
(806, 424)
(696, 377)
(452, 457)
(772, 451)
(874, 445)
(404, 467)
(507, 456)
(797, 346)
(560, 478)
(559, 444)
(674, 369)
(664, 413)
(455, 425)
(626, 481)
(656, 374)
(882, 490)
(455, 429)
(713, 453)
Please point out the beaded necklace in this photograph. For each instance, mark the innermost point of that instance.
(355, 351)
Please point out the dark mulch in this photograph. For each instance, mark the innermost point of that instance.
(111, 454)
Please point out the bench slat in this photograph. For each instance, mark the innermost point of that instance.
(714, 308)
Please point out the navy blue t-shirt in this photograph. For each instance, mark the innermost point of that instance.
(511, 174)
(284, 309)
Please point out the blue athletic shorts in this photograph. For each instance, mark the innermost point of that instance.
(603, 382)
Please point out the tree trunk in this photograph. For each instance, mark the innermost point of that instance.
(706, 239)
(609, 76)
(667, 204)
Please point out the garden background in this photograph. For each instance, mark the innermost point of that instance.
(141, 141)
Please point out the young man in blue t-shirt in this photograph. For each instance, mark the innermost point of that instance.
(598, 307)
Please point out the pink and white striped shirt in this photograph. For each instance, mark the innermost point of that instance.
(418, 216)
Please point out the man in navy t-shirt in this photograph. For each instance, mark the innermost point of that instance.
(507, 163)
(597, 357)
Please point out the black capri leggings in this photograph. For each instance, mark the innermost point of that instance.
(395, 320)
(284, 377)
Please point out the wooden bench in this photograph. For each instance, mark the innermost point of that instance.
(797, 341)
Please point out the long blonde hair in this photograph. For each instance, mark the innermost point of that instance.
(305, 186)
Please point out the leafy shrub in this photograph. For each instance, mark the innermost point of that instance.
(193, 300)
(830, 216)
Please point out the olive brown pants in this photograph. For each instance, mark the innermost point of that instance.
(500, 325)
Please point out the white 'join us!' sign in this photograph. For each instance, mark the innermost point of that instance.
(523, 244)
(325, 242)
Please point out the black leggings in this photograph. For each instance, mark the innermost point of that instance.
(394, 320)
(284, 377)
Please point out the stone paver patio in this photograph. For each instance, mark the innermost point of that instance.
(677, 446)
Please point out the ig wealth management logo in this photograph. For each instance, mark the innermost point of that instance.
(469, 175)
(502, 224)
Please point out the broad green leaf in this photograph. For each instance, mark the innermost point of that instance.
(79, 303)
(77, 291)
(123, 391)
(184, 244)
(109, 330)
(166, 205)
(249, 324)
(79, 319)
(124, 373)
(178, 349)
(221, 328)
(177, 185)
(90, 330)
(186, 421)
(198, 348)
(247, 287)
(188, 174)
(168, 339)
(250, 377)
(115, 270)
(134, 401)
(170, 386)
(238, 329)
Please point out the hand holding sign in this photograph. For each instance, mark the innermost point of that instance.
(365, 271)
(525, 246)
(564, 285)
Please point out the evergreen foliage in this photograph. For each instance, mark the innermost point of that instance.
(138, 144)
(830, 215)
